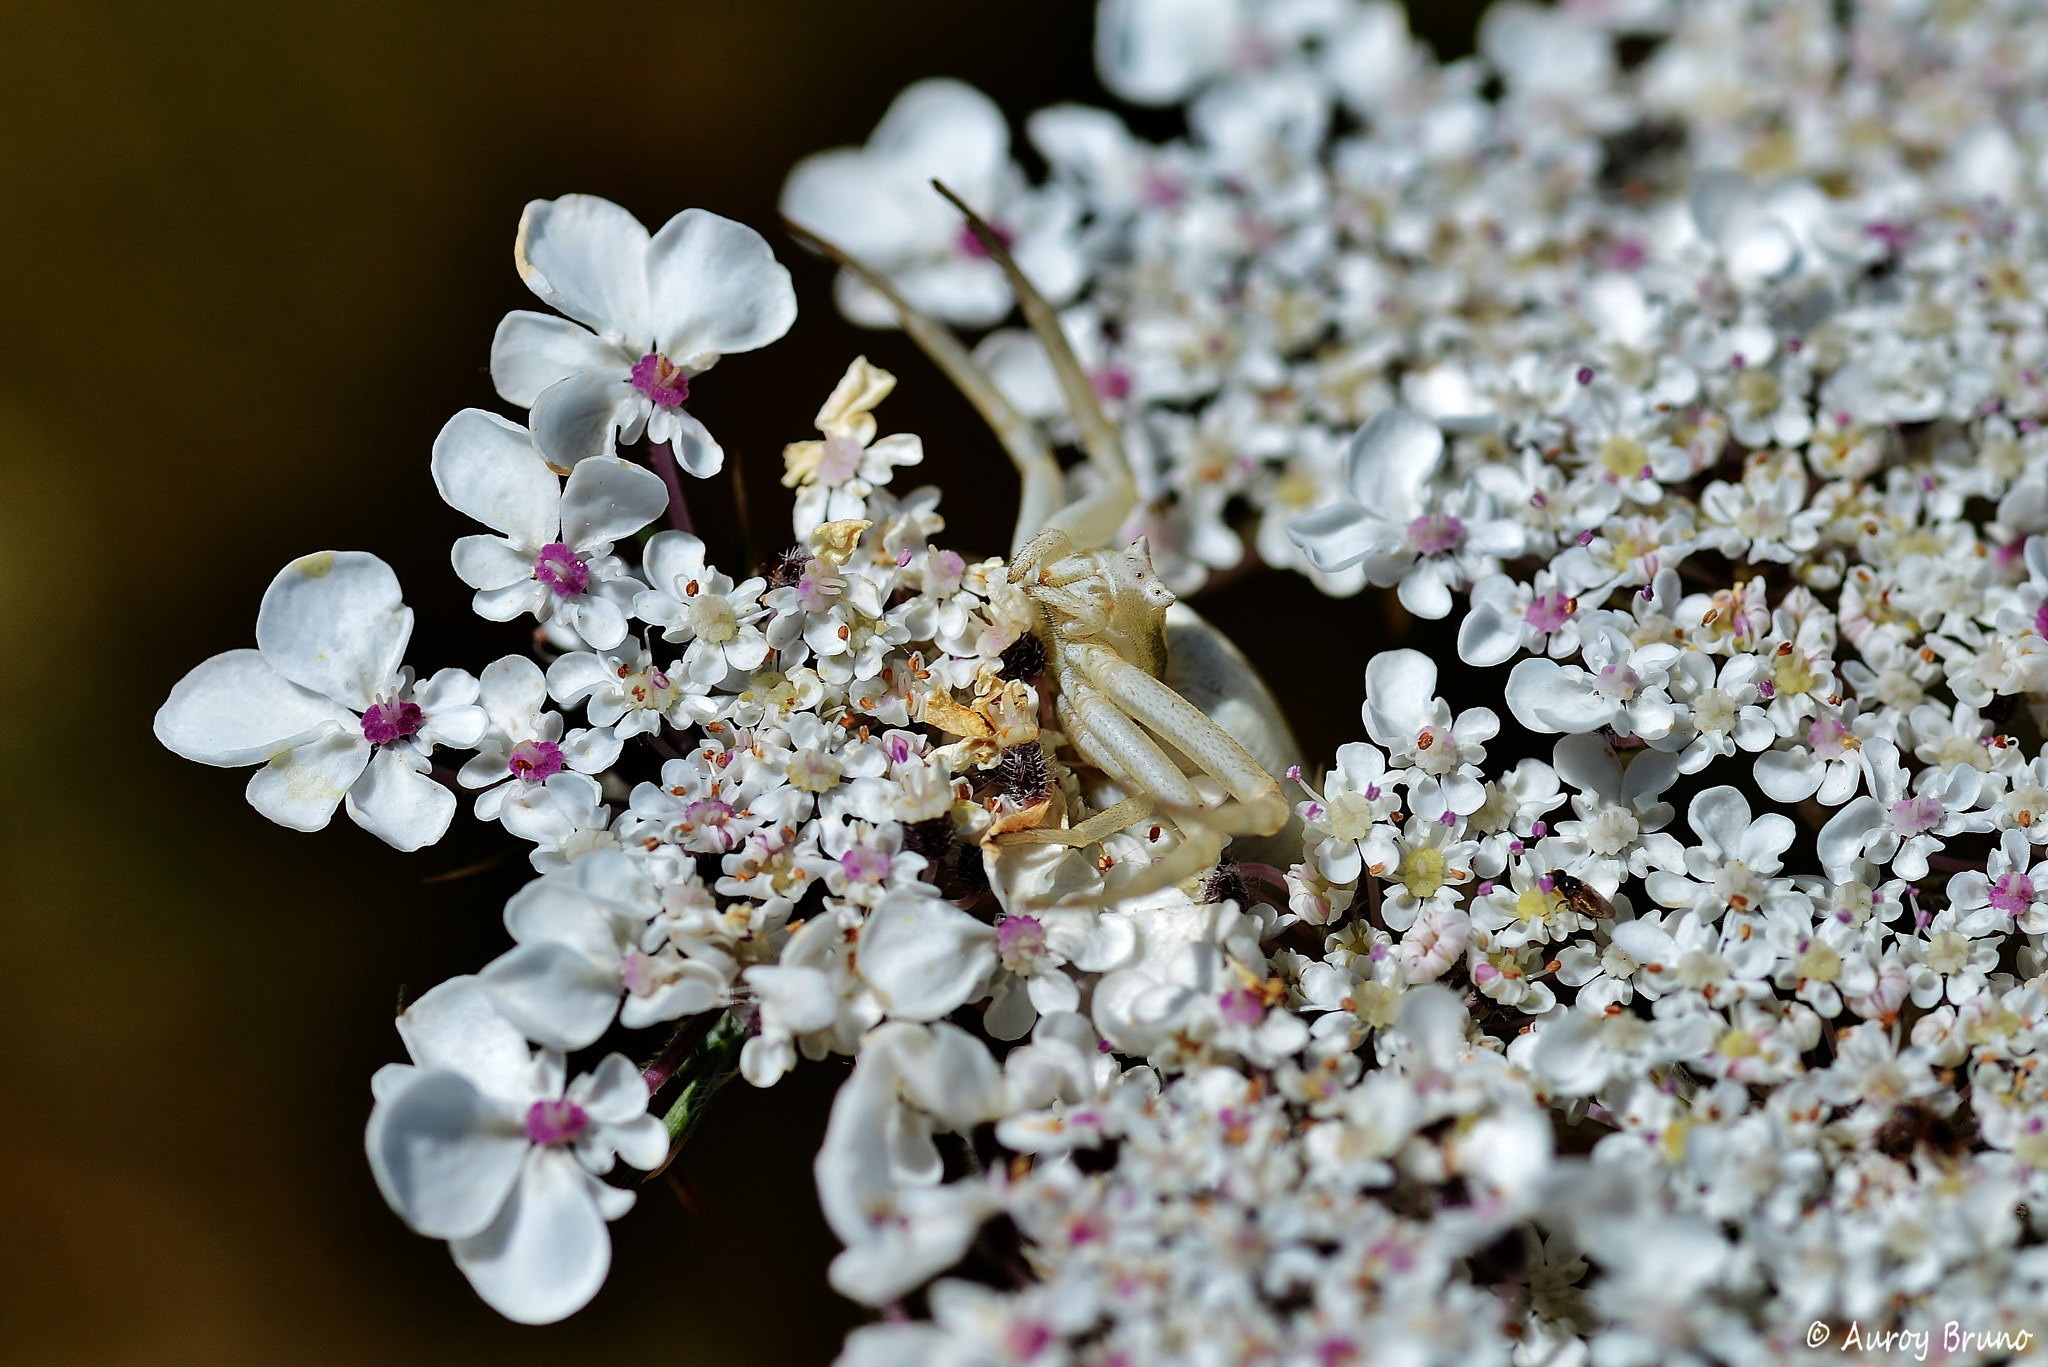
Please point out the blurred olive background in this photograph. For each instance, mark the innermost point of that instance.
(254, 256)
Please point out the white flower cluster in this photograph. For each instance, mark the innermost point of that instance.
(1711, 380)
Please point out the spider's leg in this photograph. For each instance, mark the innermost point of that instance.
(1093, 520)
(1102, 735)
(1137, 695)
(1047, 547)
(1044, 487)
(1090, 832)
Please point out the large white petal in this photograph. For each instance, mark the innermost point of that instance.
(1721, 816)
(715, 286)
(949, 1074)
(1842, 840)
(1548, 697)
(1399, 686)
(587, 257)
(578, 417)
(444, 1155)
(301, 787)
(839, 195)
(235, 709)
(456, 1026)
(607, 499)
(486, 467)
(1338, 536)
(489, 562)
(553, 910)
(560, 997)
(398, 804)
(1391, 459)
(531, 351)
(1789, 775)
(513, 691)
(335, 622)
(1159, 51)
(923, 956)
(548, 1251)
(940, 129)
(1489, 635)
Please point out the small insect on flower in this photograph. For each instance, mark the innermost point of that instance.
(1580, 897)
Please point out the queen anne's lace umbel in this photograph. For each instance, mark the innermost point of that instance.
(1695, 354)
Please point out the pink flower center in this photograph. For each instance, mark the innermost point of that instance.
(863, 865)
(1548, 612)
(1829, 738)
(1617, 681)
(562, 570)
(1916, 816)
(2041, 620)
(1028, 1338)
(970, 245)
(1111, 382)
(1240, 1007)
(556, 1122)
(2012, 893)
(841, 460)
(1435, 533)
(1019, 940)
(664, 383)
(389, 722)
(536, 760)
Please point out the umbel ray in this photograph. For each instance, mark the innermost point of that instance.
(1147, 694)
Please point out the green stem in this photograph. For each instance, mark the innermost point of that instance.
(709, 1067)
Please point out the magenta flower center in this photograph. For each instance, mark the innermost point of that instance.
(562, 570)
(1916, 816)
(863, 865)
(1617, 681)
(2041, 620)
(1019, 940)
(556, 1122)
(1241, 1007)
(1548, 612)
(664, 383)
(1435, 533)
(536, 760)
(2012, 893)
(388, 722)
(1829, 738)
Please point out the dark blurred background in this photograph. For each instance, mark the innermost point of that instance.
(255, 253)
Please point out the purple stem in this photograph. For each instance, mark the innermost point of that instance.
(665, 466)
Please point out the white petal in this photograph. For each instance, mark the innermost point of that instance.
(1337, 537)
(235, 709)
(1846, 833)
(579, 417)
(335, 622)
(923, 956)
(1789, 775)
(607, 499)
(455, 1026)
(1158, 51)
(692, 444)
(557, 995)
(1488, 636)
(672, 560)
(1399, 686)
(941, 129)
(490, 563)
(1549, 697)
(1721, 817)
(548, 1251)
(613, 1093)
(1391, 460)
(715, 287)
(533, 350)
(398, 804)
(486, 467)
(513, 690)
(444, 1155)
(301, 787)
(597, 620)
(587, 257)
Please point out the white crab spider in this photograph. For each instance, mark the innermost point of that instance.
(1145, 691)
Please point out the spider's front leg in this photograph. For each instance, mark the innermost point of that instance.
(1136, 696)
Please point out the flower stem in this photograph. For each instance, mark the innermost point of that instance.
(709, 1067)
(665, 466)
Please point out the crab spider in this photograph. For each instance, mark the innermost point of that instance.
(1145, 691)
